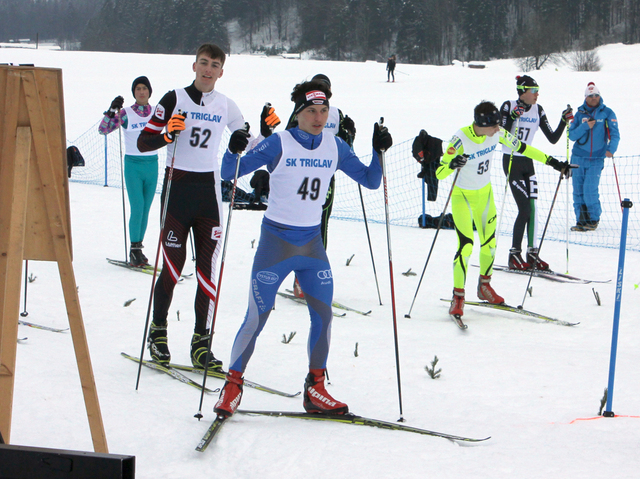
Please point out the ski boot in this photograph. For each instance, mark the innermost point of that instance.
(515, 260)
(199, 350)
(317, 399)
(230, 395)
(297, 290)
(136, 258)
(486, 292)
(457, 303)
(158, 345)
(534, 260)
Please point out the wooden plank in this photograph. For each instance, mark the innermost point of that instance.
(9, 301)
(15, 217)
(54, 197)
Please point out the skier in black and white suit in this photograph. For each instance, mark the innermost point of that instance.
(525, 115)
(201, 113)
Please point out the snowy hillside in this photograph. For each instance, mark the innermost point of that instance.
(524, 382)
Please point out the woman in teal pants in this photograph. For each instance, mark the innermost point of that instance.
(140, 169)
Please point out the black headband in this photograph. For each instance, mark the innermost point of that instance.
(313, 97)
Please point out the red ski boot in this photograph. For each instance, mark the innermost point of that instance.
(457, 303)
(297, 290)
(230, 395)
(516, 261)
(534, 260)
(486, 292)
(316, 397)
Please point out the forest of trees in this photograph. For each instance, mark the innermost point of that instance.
(417, 31)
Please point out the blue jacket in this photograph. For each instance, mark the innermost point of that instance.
(269, 153)
(594, 142)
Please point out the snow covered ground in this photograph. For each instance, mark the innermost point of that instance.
(523, 382)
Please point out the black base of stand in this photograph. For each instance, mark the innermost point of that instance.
(41, 463)
(608, 414)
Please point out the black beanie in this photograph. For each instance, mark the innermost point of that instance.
(145, 81)
(323, 78)
(523, 82)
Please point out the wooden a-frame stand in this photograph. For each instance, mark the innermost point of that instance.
(34, 221)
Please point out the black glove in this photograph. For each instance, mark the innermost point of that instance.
(116, 105)
(419, 144)
(239, 141)
(347, 130)
(517, 112)
(567, 115)
(561, 166)
(381, 138)
(459, 161)
(268, 120)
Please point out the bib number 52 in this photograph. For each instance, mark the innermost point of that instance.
(312, 192)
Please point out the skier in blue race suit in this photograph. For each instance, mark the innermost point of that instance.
(595, 133)
(302, 161)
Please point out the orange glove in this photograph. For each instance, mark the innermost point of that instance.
(174, 127)
(268, 120)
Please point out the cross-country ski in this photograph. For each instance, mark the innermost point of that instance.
(550, 275)
(168, 371)
(512, 309)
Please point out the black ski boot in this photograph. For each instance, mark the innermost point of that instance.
(136, 258)
(199, 349)
(158, 344)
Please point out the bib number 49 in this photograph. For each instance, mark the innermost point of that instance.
(312, 193)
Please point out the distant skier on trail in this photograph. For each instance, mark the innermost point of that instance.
(201, 113)
(469, 152)
(140, 168)
(302, 161)
(391, 67)
(522, 118)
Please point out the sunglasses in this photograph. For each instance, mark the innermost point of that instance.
(595, 95)
(532, 89)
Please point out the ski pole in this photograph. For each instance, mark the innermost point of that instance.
(222, 259)
(25, 313)
(193, 250)
(506, 188)
(124, 213)
(615, 171)
(567, 207)
(440, 221)
(533, 266)
(393, 296)
(163, 218)
(626, 204)
(366, 225)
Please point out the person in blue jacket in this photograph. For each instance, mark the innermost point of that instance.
(594, 131)
(302, 160)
